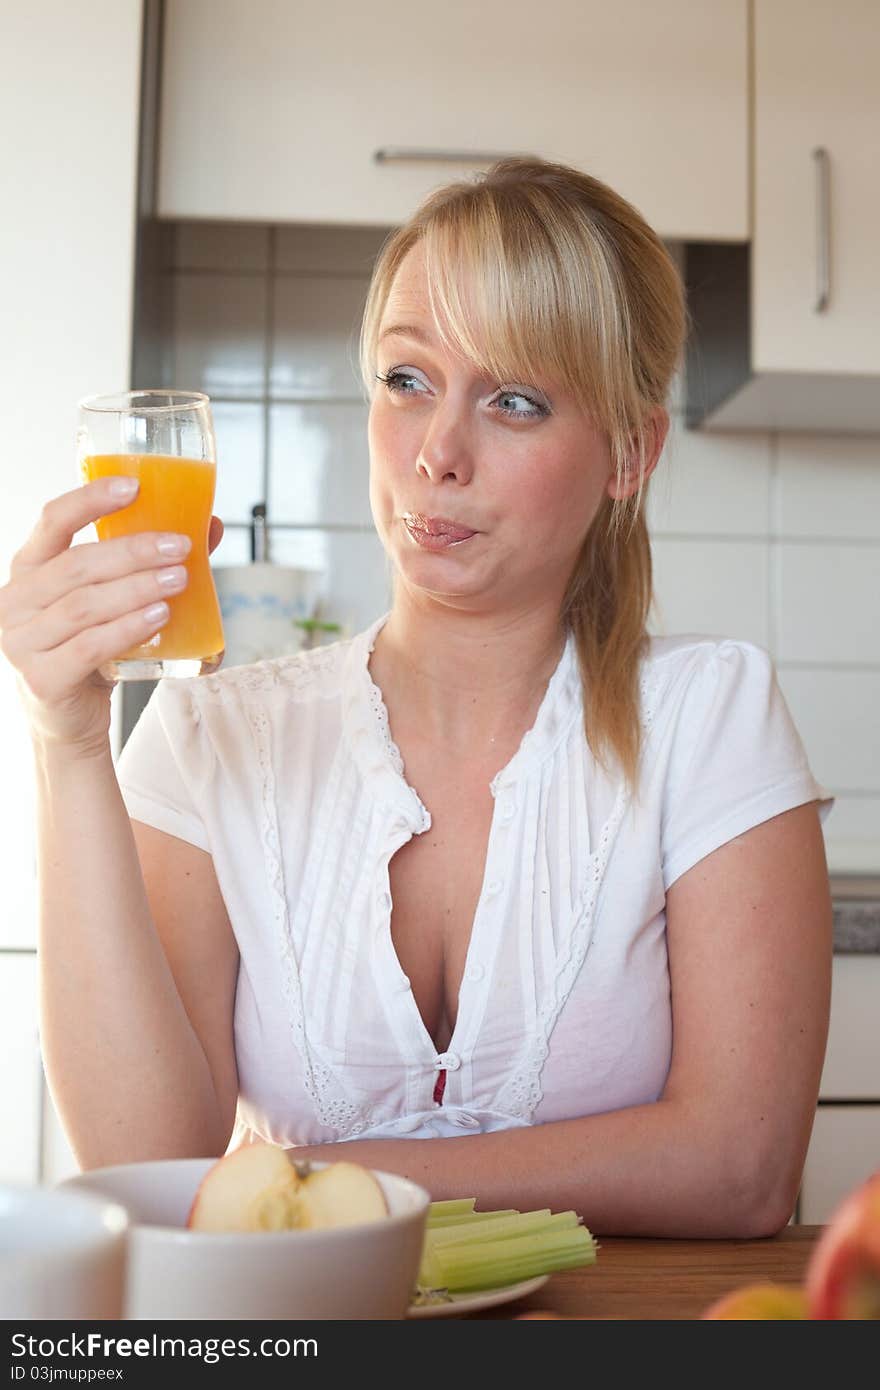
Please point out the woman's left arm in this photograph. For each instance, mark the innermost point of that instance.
(721, 1152)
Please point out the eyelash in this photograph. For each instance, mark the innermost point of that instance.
(393, 378)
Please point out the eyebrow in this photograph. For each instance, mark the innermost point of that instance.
(405, 330)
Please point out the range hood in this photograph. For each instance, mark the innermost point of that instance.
(724, 392)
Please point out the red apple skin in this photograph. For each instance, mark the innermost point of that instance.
(843, 1276)
(760, 1303)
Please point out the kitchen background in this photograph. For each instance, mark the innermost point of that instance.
(207, 215)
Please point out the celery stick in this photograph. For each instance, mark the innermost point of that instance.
(465, 1268)
(538, 1243)
(438, 1223)
(453, 1206)
(450, 1255)
(501, 1273)
(520, 1224)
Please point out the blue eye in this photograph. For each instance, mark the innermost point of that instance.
(533, 409)
(401, 382)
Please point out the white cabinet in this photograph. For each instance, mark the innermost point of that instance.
(816, 90)
(845, 1143)
(274, 110)
(844, 1151)
(69, 100)
(852, 1058)
(785, 330)
(21, 1068)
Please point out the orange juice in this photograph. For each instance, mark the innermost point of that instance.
(176, 494)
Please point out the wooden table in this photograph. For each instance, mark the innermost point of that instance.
(666, 1279)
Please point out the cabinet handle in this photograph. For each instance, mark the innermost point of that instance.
(822, 164)
(391, 154)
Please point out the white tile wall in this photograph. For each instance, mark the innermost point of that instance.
(773, 538)
(829, 487)
(219, 334)
(718, 586)
(828, 705)
(239, 427)
(319, 464)
(705, 484)
(829, 602)
(314, 353)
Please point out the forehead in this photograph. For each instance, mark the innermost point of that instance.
(408, 295)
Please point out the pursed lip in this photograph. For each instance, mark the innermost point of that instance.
(437, 526)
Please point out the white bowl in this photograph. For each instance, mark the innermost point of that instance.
(366, 1271)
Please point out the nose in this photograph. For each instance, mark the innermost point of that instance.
(446, 452)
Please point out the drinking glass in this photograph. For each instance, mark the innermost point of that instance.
(165, 439)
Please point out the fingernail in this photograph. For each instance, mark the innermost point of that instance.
(123, 487)
(172, 544)
(156, 613)
(174, 578)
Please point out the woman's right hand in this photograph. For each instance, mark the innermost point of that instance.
(68, 609)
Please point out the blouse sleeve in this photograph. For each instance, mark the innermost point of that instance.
(737, 759)
(160, 766)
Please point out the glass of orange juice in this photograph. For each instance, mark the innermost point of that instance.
(165, 439)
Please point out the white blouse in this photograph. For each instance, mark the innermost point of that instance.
(285, 771)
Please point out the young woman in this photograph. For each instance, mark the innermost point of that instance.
(500, 871)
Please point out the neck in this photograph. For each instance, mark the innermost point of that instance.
(465, 680)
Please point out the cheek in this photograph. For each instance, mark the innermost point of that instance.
(389, 442)
(561, 496)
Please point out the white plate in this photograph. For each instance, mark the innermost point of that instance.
(472, 1302)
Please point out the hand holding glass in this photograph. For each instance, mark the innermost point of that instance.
(164, 439)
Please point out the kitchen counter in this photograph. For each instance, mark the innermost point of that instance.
(856, 902)
(666, 1279)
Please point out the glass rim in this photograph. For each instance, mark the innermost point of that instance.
(138, 402)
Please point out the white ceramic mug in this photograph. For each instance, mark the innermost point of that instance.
(62, 1255)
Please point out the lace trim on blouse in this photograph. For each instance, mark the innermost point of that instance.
(520, 1095)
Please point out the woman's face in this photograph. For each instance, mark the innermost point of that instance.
(482, 491)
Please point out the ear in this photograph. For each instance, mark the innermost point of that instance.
(656, 430)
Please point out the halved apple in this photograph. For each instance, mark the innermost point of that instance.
(259, 1188)
(345, 1194)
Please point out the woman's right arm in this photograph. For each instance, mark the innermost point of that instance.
(137, 958)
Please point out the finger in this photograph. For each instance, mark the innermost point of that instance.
(63, 516)
(215, 534)
(52, 675)
(83, 566)
(91, 606)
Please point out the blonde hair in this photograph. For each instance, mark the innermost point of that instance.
(535, 266)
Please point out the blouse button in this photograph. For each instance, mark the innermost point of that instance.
(508, 810)
(448, 1061)
(494, 887)
(475, 972)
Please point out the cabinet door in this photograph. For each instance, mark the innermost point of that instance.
(816, 89)
(21, 1068)
(844, 1151)
(852, 1058)
(274, 110)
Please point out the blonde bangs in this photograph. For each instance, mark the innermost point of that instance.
(522, 298)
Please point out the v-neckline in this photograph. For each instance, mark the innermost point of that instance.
(536, 743)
